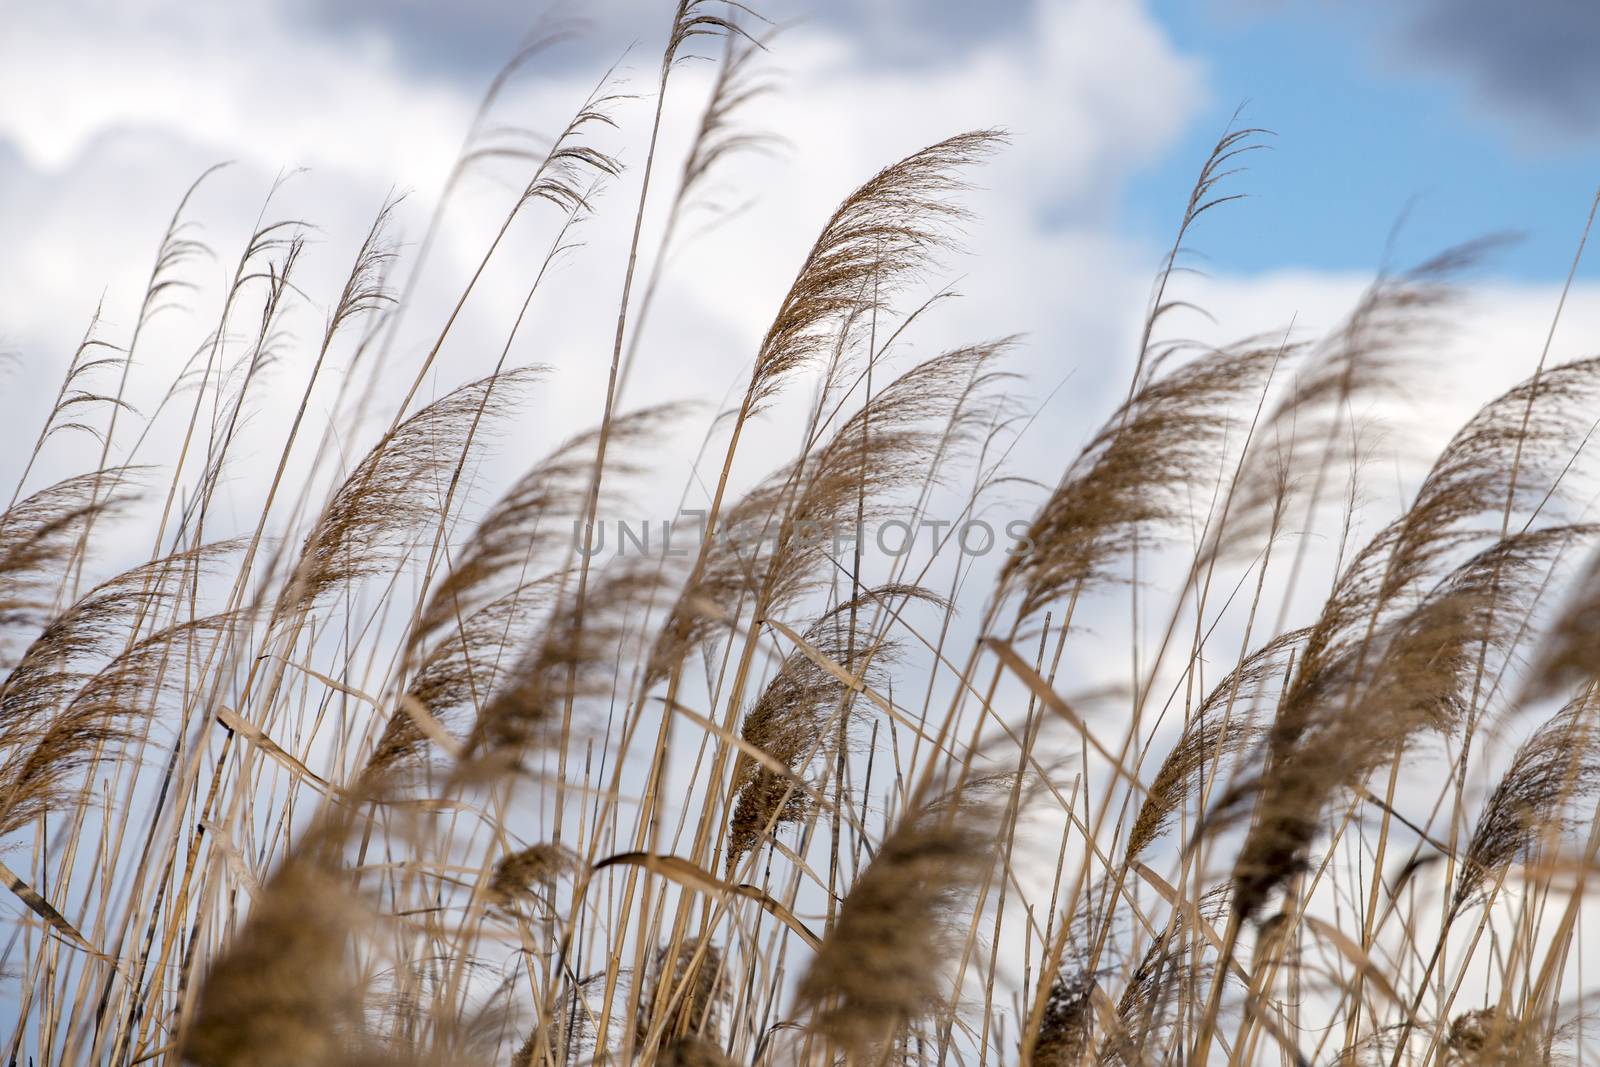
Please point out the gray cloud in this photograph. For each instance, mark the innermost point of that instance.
(470, 37)
(1532, 60)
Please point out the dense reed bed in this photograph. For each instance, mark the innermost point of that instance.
(404, 765)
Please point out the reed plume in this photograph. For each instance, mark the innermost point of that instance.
(46, 752)
(37, 535)
(1570, 650)
(692, 1050)
(1487, 1037)
(882, 967)
(1128, 480)
(460, 673)
(58, 661)
(1068, 1028)
(694, 980)
(1212, 735)
(876, 239)
(522, 874)
(1339, 720)
(774, 541)
(790, 720)
(1386, 659)
(1371, 357)
(571, 659)
(283, 991)
(393, 492)
(1556, 767)
(534, 514)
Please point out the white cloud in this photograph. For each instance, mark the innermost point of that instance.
(138, 103)
(126, 103)
(237, 78)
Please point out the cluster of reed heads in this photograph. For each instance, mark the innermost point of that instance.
(391, 773)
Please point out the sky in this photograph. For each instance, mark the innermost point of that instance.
(1397, 129)
(1462, 119)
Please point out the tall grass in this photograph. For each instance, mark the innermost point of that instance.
(393, 770)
